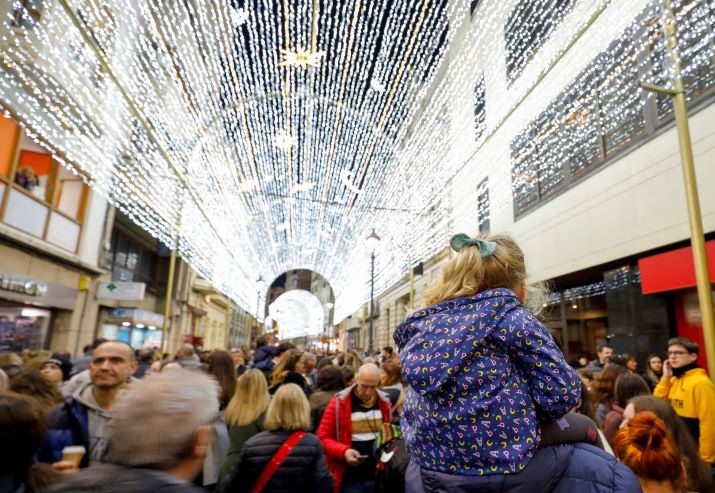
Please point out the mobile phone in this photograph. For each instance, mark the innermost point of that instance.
(362, 457)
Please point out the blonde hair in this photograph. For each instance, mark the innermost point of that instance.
(249, 400)
(289, 410)
(469, 273)
(286, 363)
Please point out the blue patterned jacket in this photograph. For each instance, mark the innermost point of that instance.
(482, 372)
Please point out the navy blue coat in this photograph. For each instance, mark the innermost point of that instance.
(68, 426)
(578, 468)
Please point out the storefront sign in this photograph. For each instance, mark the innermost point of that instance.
(135, 317)
(22, 286)
(121, 291)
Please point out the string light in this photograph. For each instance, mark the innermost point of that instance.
(186, 119)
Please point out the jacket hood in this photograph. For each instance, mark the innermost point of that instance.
(85, 397)
(345, 393)
(441, 339)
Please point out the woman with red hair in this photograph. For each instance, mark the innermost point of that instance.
(645, 446)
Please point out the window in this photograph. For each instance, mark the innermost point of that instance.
(37, 195)
(480, 113)
(603, 112)
(25, 13)
(130, 260)
(529, 25)
(483, 205)
(473, 4)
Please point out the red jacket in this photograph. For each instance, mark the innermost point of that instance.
(335, 430)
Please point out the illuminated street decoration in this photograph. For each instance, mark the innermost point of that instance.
(300, 58)
(216, 132)
(298, 313)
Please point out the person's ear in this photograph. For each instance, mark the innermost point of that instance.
(202, 439)
(133, 366)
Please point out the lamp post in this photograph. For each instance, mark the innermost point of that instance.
(260, 283)
(372, 241)
(327, 336)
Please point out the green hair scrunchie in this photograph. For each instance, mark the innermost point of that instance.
(460, 240)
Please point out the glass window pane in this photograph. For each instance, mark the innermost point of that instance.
(70, 188)
(33, 173)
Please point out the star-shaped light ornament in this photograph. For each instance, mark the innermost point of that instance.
(238, 17)
(377, 86)
(284, 141)
(300, 58)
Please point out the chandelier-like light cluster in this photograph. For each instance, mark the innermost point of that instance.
(211, 126)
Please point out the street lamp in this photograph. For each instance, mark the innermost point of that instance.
(327, 337)
(260, 283)
(372, 242)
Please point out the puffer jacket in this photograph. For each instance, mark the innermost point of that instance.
(68, 426)
(111, 478)
(336, 430)
(578, 468)
(303, 470)
(263, 360)
(482, 372)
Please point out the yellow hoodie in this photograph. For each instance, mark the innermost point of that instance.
(693, 397)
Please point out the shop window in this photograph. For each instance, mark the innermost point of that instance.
(528, 27)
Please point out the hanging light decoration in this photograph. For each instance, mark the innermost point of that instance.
(214, 130)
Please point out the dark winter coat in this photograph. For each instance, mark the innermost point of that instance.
(111, 478)
(578, 468)
(292, 377)
(303, 470)
(263, 360)
(238, 436)
(68, 426)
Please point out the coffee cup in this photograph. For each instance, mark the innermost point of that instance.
(73, 454)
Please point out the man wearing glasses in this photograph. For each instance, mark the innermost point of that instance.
(691, 393)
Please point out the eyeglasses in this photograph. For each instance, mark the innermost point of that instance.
(677, 353)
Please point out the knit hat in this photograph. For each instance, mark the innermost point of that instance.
(63, 364)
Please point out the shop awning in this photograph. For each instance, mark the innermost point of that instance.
(673, 270)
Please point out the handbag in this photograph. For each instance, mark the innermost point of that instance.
(277, 460)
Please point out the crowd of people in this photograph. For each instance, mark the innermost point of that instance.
(475, 396)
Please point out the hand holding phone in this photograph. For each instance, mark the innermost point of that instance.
(667, 370)
(353, 457)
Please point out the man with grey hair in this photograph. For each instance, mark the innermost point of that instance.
(309, 373)
(186, 356)
(162, 430)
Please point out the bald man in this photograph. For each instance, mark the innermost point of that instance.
(84, 417)
(349, 428)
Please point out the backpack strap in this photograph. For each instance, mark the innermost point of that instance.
(277, 460)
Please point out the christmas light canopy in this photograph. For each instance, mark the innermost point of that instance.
(260, 137)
